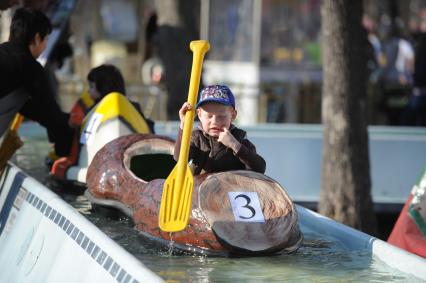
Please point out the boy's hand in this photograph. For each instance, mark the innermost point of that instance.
(228, 140)
(185, 107)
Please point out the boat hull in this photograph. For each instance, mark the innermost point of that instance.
(235, 212)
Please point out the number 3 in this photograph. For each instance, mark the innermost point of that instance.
(246, 206)
(248, 200)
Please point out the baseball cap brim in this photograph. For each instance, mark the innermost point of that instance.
(214, 99)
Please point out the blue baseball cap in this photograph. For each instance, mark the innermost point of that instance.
(216, 93)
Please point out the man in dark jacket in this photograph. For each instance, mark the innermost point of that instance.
(24, 85)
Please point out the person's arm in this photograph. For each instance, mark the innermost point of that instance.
(244, 150)
(185, 107)
(43, 108)
(249, 157)
(195, 154)
(177, 145)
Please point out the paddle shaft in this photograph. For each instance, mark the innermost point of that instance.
(11, 142)
(199, 49)
(175, 207)
(16, 122)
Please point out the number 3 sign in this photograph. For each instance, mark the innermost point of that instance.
(246, 206)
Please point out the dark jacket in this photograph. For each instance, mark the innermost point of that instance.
(209, 155)
(18, 69)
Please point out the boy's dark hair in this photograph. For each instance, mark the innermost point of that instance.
(26, 23)
(107, 78)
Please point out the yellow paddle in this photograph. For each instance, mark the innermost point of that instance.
(176, 200)
(11, 142)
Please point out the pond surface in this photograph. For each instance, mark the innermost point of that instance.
(318, 260)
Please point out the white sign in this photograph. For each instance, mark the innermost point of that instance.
(91, 128)
(246, 206)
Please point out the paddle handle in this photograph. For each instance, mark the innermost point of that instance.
(16, 122)
(199, 49)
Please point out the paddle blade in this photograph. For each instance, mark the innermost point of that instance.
(176, 201)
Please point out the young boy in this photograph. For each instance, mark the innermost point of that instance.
(217, 145)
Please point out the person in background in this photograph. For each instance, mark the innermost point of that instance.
(414, 113)
(24, 86)
(59, 54)
(396, 77)
(374, 52)
(105, 79)
(217, 145)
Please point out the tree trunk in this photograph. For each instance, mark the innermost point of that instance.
(345, 172)
(177, 26)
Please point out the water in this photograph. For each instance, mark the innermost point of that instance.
(318, 260)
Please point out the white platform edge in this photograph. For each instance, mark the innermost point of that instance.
(27, 226)
(350, 238)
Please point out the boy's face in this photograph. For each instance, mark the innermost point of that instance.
(214, 117)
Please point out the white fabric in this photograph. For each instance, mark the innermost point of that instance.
(405, 54)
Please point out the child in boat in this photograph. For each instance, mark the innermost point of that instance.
(103, 80)
(217, 145)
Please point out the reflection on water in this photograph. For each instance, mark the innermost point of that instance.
(318, 260)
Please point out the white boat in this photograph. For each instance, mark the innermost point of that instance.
(44, 239)
(114, 116)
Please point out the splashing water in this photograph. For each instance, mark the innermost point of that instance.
(170, 246)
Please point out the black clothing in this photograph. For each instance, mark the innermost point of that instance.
(414, 113)
(18, 69)
(209, 155)
(9, 106)
(149, 122)
(420, 61)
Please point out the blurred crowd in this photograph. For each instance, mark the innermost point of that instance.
(397, 57)
(397, 66)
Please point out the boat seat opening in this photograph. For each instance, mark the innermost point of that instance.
(152, 166)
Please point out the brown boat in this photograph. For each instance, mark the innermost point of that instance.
(234, 212)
